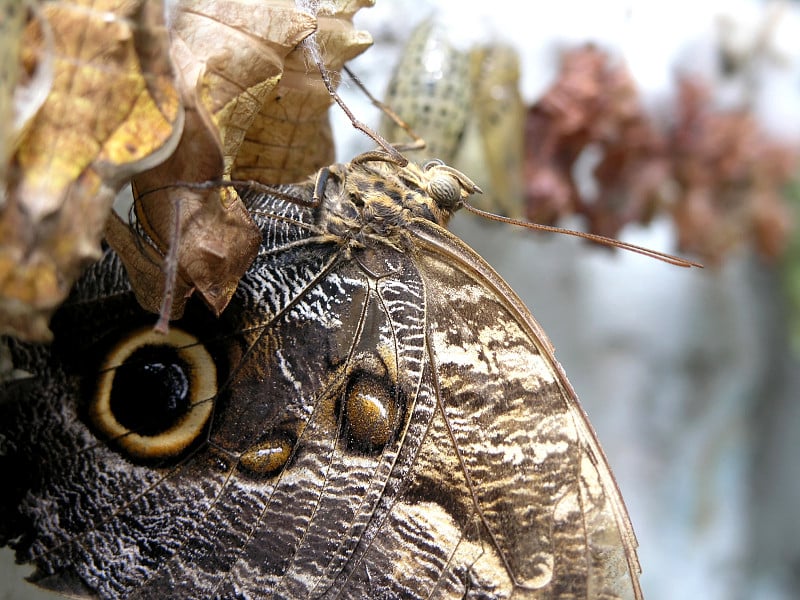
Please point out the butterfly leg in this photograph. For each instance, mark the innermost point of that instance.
(319, 186)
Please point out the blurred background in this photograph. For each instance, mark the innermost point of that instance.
(688, 375)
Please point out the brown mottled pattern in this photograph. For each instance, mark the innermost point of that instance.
(491, 484)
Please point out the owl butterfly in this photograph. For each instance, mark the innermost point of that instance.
(376, 415)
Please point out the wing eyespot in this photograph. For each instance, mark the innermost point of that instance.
(269, 456)
(154, 395)
(371, 412)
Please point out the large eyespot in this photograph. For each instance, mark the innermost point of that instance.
(371, 412)
(155, 393)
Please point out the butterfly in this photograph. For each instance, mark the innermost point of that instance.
(376, 415)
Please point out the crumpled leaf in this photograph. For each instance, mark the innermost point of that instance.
(229, 56)
(291, 138)
(12, 26)
(730, 178)
(715, 173)
(111, 111)
(593, 105)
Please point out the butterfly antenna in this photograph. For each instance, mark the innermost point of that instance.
(417, 144)
(311, 44)
(592, 237)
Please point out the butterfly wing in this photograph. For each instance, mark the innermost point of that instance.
(547, 504)
(373, 435)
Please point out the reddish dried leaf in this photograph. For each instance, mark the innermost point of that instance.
(558, 128)
(724, 174)
(730, 176)
(593, 106)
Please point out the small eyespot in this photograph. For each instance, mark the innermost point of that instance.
(155, 393)
(371, 412)
(269, 456)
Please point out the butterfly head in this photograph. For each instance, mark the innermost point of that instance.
(375, 198)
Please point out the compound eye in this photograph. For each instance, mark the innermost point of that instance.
(445, 190)
(155, 393)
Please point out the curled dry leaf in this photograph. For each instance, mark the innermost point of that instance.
(228, 57)
(12, 25)
(256, 109)
(730, 178)
(593, 106)
(107, 115)
(717, 174)
(290, 137)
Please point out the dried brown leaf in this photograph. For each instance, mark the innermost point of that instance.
(730, 176)
(724, 175)
(290, 138)
(12, 26)
(229, 56)
(558, 128)
(107, 115)
(593, 106)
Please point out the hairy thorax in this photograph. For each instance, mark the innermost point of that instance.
(374, 201)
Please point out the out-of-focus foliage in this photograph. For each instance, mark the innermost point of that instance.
(592, 107)
(791, 270)
(730, 180)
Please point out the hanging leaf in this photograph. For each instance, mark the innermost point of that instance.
(731, 178)
(592, 106)
(228, 57)
(291, 138)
